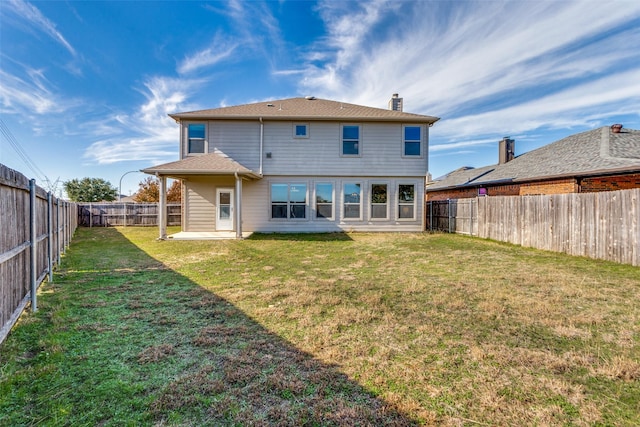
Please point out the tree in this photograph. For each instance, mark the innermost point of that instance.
(90, 190)
(149, 191)
(174, 193)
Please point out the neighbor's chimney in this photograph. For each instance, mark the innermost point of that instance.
(506, 150)
(616, 128)
(395, 103)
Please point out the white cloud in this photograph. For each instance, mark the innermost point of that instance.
(581, 105)
(148, 134)
(218, 51)
(484, 67)
(30, 94)
(32, 14)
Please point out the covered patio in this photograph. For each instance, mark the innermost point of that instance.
(215, 164)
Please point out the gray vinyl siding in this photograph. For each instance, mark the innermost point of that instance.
(256, 206)
(381, 148)
(380, 151)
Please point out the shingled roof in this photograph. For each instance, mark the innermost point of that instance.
(595, 152)
(216, 163)
(308, 108)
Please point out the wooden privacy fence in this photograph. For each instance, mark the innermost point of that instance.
(125, 214)
(604, 225)
(35, 229)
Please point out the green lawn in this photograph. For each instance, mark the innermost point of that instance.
(333, 329)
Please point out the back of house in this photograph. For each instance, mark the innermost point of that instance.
(301, 165)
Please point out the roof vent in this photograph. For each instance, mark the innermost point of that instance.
(616, 128)
(309, 98)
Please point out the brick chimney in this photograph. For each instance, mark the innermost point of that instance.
(395, 103)
(506, 150)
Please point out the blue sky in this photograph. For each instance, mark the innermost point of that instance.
(85, 87)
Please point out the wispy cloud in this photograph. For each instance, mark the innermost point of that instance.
(31, 93)
(32, 14)
(220, 49)
(148, 134)
(483, 67)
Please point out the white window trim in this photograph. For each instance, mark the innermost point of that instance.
(386, 218)
(186, 138)
(398, 204)
(343, 204)
(306, 136)
(403, 141)
(342, 125)
(307, 209)
(333, 201)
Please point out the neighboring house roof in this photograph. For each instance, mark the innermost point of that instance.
(216, 163)
(308, 108)
(595, 152)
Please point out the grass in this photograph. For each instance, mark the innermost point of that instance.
(333, 329)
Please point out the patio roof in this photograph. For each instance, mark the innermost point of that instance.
(216, 163)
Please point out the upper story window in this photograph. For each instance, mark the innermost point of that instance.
(406, 201)
(300, 130)
(350, 140)
(196, 139)
(412, 140)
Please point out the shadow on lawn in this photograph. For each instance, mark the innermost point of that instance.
(233, 371)
(337, 236)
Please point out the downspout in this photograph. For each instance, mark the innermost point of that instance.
(261, 144)
(238, 206)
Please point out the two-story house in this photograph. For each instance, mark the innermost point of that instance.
(300, 165)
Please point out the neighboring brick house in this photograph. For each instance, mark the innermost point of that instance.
(602, 159)
(300, 165)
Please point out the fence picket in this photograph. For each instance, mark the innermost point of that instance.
(603, 225)
(31, 239)
(125, 214)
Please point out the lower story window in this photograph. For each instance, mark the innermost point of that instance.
(324, 200)
(289, 201)
(378, 201)
(352, 200)
(406, 201)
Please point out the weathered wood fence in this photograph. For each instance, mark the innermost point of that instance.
(35, 230)
(125, 214)
(603, 225)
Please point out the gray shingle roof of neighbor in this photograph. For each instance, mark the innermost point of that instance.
(594, 152)
(205, 164)
(308, 108)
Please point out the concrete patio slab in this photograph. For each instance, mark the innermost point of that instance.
(206, 235)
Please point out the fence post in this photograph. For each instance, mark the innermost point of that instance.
(65, 229)
(58, 251)
(449, 213)
(471, 218)
(33, 242)
(50, 233)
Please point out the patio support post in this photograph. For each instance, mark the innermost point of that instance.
(162, 209)
(238, 206)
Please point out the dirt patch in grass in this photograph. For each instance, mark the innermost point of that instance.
(155, 353)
